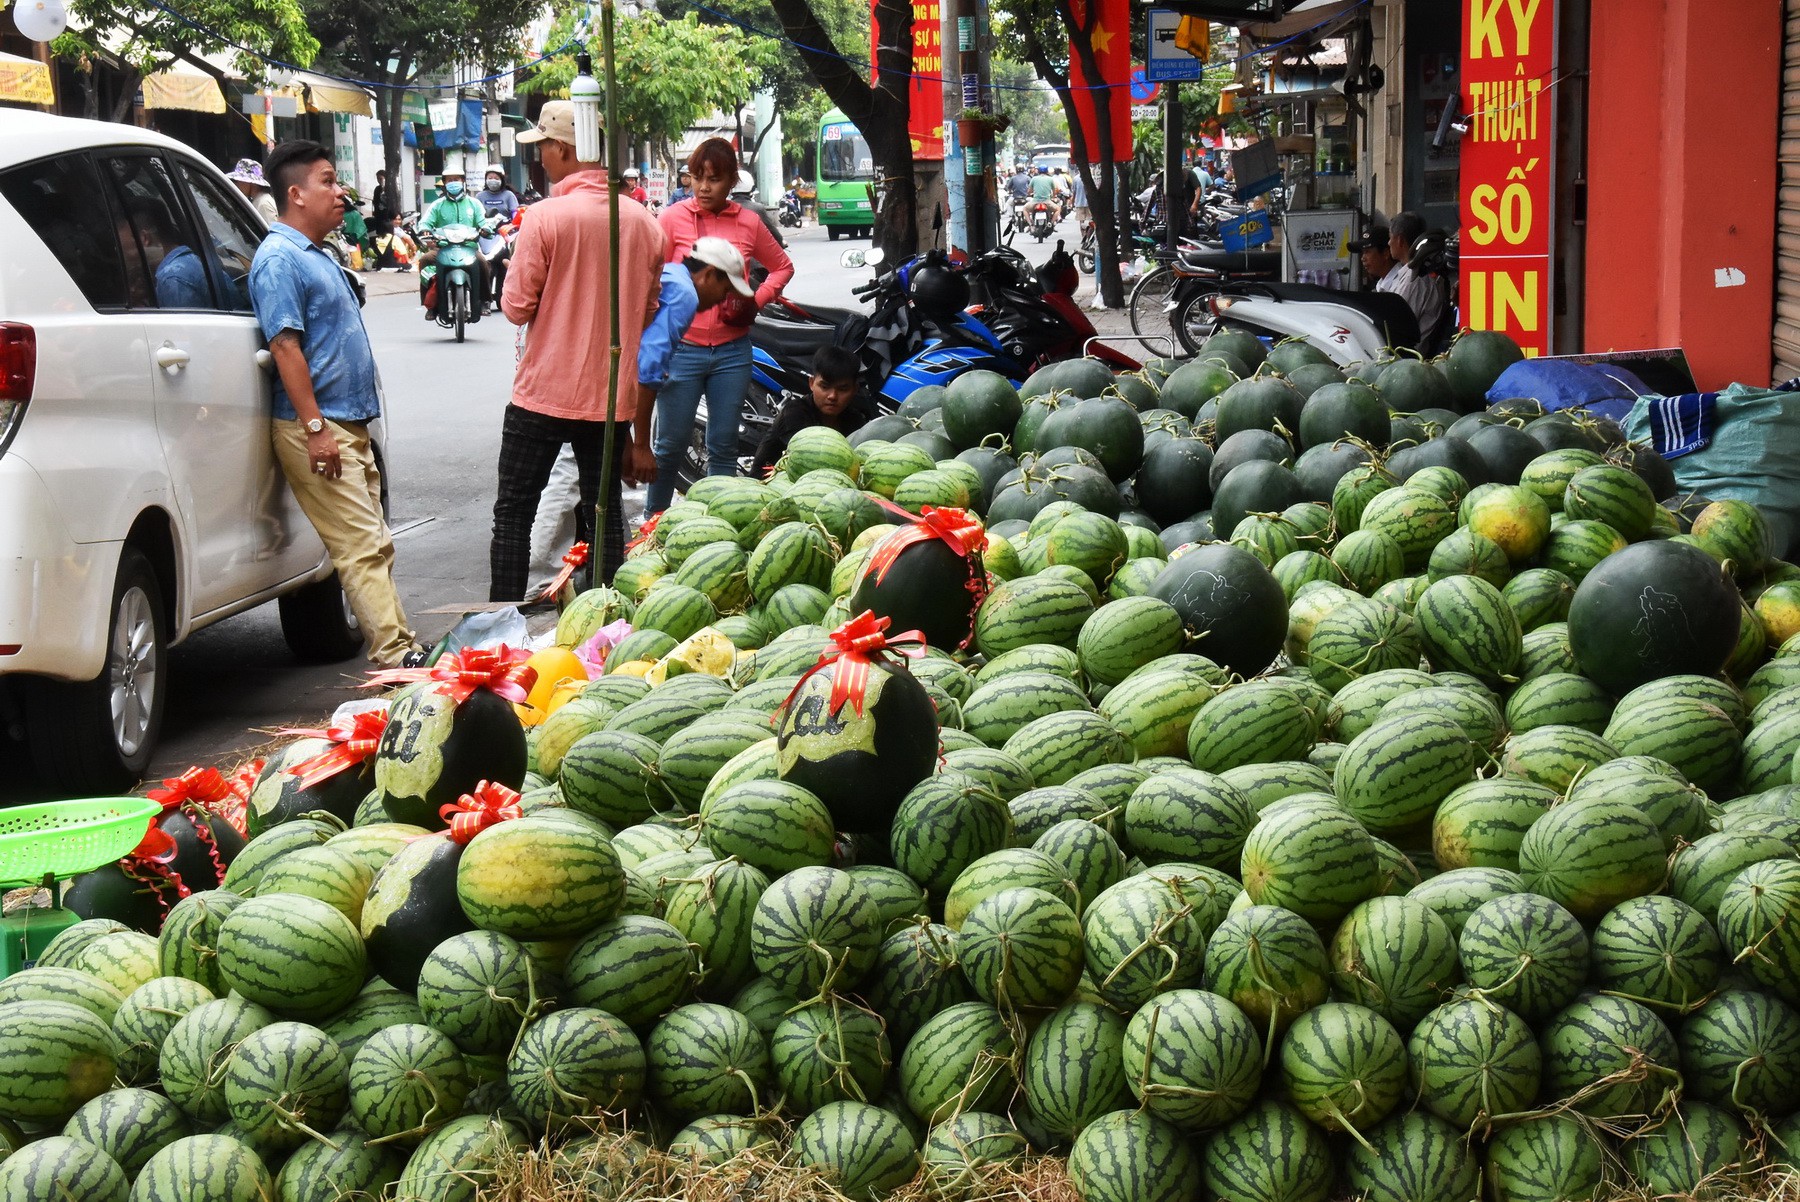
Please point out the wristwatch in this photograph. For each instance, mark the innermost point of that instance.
(316, 426)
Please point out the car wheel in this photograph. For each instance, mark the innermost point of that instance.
(318, 624)
(95, 736)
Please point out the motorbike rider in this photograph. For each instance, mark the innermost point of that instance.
(1042, 187)
(1019, 186)
(634, 186)
(1377, 258)
(496, 197)
(1424, 294)
(454, 207)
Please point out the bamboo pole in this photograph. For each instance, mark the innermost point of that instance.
(602, 508)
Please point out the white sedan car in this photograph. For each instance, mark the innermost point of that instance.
(139, 497)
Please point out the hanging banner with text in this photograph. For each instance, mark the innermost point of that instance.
(925, 91)
(1509, 55)
(1111, 39)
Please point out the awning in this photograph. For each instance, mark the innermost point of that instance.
(1309, 14)
(325, 95)
(184, 87)
(25, 80)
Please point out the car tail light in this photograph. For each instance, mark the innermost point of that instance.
(18, 372)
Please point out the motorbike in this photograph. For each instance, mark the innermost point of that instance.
(495, 246)
(452, 277)
(1013, 325)
(1043, 219)
(790, 214)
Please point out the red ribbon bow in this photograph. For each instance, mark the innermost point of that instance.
(643, 533)
(501, 670)
(474, 812)
(861, 641)
(206, 787)
(572, 559)
(959, 529)
(157, 846)
(356, 740)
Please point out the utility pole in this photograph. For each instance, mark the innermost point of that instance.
(971, 31)
(1172, 141)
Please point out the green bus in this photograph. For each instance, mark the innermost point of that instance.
(846, 178)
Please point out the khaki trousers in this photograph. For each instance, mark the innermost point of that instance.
(347, 514)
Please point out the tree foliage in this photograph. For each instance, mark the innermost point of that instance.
(147, 40)
(1037, 116)
(671, 72)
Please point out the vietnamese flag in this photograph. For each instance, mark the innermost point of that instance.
(1111, 40)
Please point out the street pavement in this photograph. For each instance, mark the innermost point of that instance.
(234, 684)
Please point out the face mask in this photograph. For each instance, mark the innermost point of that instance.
(453, 189)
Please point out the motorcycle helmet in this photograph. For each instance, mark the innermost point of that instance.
(938, 290)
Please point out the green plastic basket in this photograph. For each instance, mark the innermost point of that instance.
(67, 838)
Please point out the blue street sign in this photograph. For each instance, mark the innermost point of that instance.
(1164, 60)
(1142, 90)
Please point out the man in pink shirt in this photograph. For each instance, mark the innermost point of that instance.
(556, 286)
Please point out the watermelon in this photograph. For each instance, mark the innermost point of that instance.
(704, 1058)
(1229, 602)
(571, 1064)
(1545, 1159)
(1317, 861)
(1472, 1061)
(286, 1082)
(1188, 815)
(145, 1019)
(814, 927)
(1525, 952)
(927, 585)
(355, 1165)
(1344, 1066)
(412, 907)
(1555, 756)
(1466, 626)
(434, 751)
(129, 1125)
(203, 1167)
(296, 955)
(543, 876)
(1482, 823)
(1658, 950)
(54, 1056)
(1611, 1056)
(959, 1060)
(957, 1154)
(456, 1160)
(1654, 609)
(1021, 948)
(1415, 1157)
(405, 1081)
(1395, 956)
(1700, 1151)
(62, 1167)
(865, 1150)
(947, 822)
(1193, 1058)
(1397, 771)
(914, 977)
(479, 988)
(1133, 1156)
(1591, 855)
(1270, 963)
(1260, 721)
(830, 1051)
(714, 909)
(1073, 1069)
(1756, 922)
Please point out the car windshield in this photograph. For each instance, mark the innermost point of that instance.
(844, 154)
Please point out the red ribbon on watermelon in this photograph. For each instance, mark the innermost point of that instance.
(501, 670)
(356, 741)
(861, 641)
(489, 804)
(572, 559)
(958, 529)
(644, 532)
(203, 786)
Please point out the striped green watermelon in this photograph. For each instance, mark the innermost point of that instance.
(1021, 949)
(993, 768)
(1343, 1066)
(67, 943)
(1613, 1056)
(691, 757)
(1657, 950)
(1357, 705)
(330, 874)
(714, 909)
(1474, 1060)
(1270, 963)
(960, 1153)
(1256, 722)
(479, 988)
(1769, 753)
(187, 944)
(612, 776)
(1614, 495)
(1457, 893)
(1545, 1159)
(456, 1160)
(1546, 649)
(661, 714)
(1741, 1048)
(1088, 855)
(1539, 596)
(1525, 952)
(1058, 746)
(1470, 707)
(1145, 936)
(1155, 708)
(719, 1138)
(355, 1167)
(915, 976)
(296, 955)
(54, 1056)
(145, 1019)
(1701, 1151)
(1359, 638)
(1000, 708)
(1591, 855)
(1193, 1058)
(771, 825)
(1690, 733)
(1035, 811)
(1559, 699)
(634, 967)
(1466, 552)
(792, 553)
(285, 1083)
(1264, 784)
(1415, 1157)
(1188, 815)
(1395, 956)
(1554, 756)
(1481, 824)
(571, 1064)
(1135, 631)
(1032, 657)
(830, 1051)
(122, 960)
(1133, 1156)
(704, 1058)
(59, 1168)
(1073, 1070)
(1576, 547)
(1700, 872)
(718, 571)
(210, 1167)
(959, 1060)
(1031, 610)
(1269, 1152)
(865, 1150)
(1397, 771)
(129, 1125)
(1317, 861)
(543, 876)
(1467, 626)
(944, 824)
(1413, 518)
(813, 928)
(1757, 918)
(1368, 559)
(898, 899)
(39, 984)
(406, 1081)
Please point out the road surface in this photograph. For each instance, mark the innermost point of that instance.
(232, 685)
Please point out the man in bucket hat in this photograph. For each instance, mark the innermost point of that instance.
(248, 176)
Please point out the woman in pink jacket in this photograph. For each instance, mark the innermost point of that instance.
(714, 356)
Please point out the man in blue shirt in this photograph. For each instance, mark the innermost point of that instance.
(711, 271)
(325, 392)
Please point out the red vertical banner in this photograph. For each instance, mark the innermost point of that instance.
(925, 91)
(1111, 40)
(1508, 57)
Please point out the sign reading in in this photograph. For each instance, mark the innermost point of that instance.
(1509, 54)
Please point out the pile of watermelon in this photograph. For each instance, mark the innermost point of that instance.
(1432, 832)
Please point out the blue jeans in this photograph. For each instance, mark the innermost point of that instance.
(723, 374)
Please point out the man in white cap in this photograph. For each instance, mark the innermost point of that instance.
(556, 287)
(248, 176)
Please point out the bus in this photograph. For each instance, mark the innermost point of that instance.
(846, 178)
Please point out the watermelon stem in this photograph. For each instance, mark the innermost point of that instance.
(1343, 1120)
(294, 1119)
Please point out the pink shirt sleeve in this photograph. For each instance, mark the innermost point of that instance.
(525, 274)
(769, 253)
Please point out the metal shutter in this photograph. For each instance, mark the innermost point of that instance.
(1787, 230)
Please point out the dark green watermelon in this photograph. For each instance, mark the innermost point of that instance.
(928, 587)
(1657, 608)
(412, 907)
(1232, 606)
(1172, 484)
(860, 763)
(433, 751)
(1247, 446)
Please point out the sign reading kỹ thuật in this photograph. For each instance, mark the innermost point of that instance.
(1509, 54)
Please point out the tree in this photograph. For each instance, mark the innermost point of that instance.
(147, 40)
(671, 72)
(798, 97)
(398, 43)
(1037, 117)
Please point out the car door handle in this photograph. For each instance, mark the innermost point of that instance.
(266, 360)
(171, 358)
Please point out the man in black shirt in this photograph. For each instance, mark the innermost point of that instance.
(836, 401)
